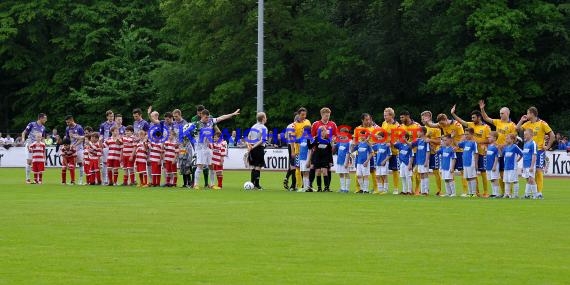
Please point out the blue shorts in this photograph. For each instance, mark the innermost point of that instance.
(393, 163)
(501, 164)
(297, 160)
(434, 161)
(481, 163)
(459, 161)
(540, 159)
(372, 162)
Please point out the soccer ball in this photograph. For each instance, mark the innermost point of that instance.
(248, 185)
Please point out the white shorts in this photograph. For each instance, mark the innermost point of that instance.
(303, 166)
(404, 172)
(382, 170)
(527, 174)
(510, 176)
(204, 156)
(340, 169)
(422, 169)
(362, 171)
(469, 172)
(493, 175)
(446, 175)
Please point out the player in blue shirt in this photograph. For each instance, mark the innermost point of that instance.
(492, 164)
(447, 167)
(511, 155)
(364, 153)
(529, 165)
(342, 149)
(383, 152)
(406, 157)
(304, 161)
(470, 159)
(422, 160)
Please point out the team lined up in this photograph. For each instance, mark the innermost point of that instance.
(443, 147)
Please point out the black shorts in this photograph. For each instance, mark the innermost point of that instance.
(256, 157)
(393, 163)
(434, 161)
(291, 161)
(482, 163)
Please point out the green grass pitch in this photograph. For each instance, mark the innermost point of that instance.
(54, 234)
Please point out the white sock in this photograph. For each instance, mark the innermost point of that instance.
(527, 189)
(516, 190)
(81, 173)
(28, 170)
(409, 179)
(386, 184)
(452, 186)
(341, 183)
(197, 174)
(447, 188)
(306, 182)
(404, 186)
(212, 176)
(365, 184)
(347, 183)
(106, 176)
(495, 188)
(508, 189)
(425, 185)
(534, 190)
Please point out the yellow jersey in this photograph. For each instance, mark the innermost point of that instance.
(480, 136)
(433, 134)
(540, 129)
(299, 127)
(455, 129)
(389, 127)
(360, 128)
(503, 129)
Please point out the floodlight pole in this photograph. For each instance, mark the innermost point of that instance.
(260, 17)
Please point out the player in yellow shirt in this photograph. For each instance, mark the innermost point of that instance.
(367, 127)
(433, 136)
(391, 127)
(540, 129)
(480, 135)
(455, 130)
(299, 127)
(504, 126)
(411, 128)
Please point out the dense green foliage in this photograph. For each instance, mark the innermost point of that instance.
(84, 57)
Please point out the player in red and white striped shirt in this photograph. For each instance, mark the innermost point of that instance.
(141, 157)
(95, 153)
(68, 155)
(85, 150)
(128, 156)
(114, 145)
(155, 158)
(219, 151)
(38, 151)
(171, 151)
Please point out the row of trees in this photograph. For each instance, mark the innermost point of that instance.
(83, 57)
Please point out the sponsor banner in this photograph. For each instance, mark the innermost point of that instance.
(275, 159)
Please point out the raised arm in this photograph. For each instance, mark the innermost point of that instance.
(521, 122)
(483, 113)
(457, 117)
(227, 116)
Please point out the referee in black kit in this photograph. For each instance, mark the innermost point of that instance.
(256, 140)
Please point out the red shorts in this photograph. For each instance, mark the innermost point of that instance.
(155, 168)
(127, 162)
(216, 167)
(141, 167)
(69, 162)
(113, 163)
(93, 165)
(170, 167)
(38, 167)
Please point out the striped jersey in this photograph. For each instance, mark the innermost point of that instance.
(38, 151)
(141, 155)
(128, 146)
(171, 151)
(114, 147)
(95, 151)
(154, 152)
(219, 150)
(68, 152)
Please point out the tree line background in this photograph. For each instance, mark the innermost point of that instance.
(83, 57)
